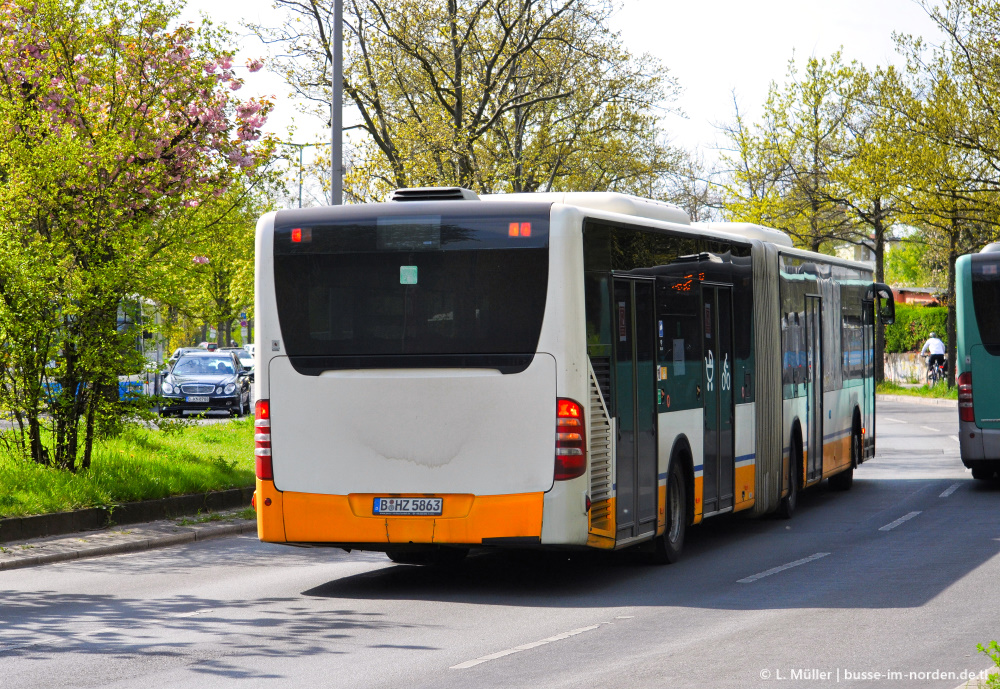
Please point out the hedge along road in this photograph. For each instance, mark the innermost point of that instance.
(897, 574)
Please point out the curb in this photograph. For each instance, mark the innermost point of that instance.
(202, 534)
(61, 523)
(918, 400)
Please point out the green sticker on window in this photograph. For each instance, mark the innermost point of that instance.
(407, 275)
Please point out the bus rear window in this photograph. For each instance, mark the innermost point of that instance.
(986, 296)
(412, 290)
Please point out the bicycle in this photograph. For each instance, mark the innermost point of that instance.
(935, 372)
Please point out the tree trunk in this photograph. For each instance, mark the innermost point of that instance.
(88, 447)
(952, 334)
(879, 277)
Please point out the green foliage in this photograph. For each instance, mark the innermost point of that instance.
(913, 326)
(912, 262)
(122, 138)
(140, 464)
(992, 649)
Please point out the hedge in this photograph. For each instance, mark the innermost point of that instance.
(913, 326)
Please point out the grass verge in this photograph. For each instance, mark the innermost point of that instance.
(939, 391)
(141, 464)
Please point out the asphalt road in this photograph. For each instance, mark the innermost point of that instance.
(898, 575)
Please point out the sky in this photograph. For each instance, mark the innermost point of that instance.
(714, 48)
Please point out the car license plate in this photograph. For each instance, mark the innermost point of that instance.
(197, 399)
(403, 506)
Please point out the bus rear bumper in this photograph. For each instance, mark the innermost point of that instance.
(347, 520)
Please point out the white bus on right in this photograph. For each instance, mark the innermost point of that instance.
(977, 310)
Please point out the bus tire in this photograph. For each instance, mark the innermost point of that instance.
(434, 556)
(786, 508)
(670, 543)
(845, 479)
(982, 473)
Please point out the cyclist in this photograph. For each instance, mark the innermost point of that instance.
(934, 347)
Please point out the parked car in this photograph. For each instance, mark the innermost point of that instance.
(210, 346)
(245, 357)
(180, 350)
(206, 381)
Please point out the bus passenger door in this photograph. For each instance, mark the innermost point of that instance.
(868, 373)
(814, 387)
(717, 323)
(635, 408)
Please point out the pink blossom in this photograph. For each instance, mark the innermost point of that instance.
(82, 81)
(210, 67)
(201, 260)
(235, 86)
(192, 203)
(226, 62)
(255, 65)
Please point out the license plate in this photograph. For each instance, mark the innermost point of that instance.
(197, 399)
(417, 506)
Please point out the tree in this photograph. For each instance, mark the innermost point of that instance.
(117, 130)
(782, 167)
(493, 95)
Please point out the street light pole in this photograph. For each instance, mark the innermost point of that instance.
(301, 147)
(337, 107)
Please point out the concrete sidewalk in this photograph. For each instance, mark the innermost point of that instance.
(124, 539)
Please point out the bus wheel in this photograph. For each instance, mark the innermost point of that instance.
(982, 473)
(786, 508)
(669, 545)
(845, 479)
(435, 556)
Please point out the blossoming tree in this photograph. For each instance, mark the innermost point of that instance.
(122, 131)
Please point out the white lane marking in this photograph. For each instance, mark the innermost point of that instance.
(928, 428)
(893, 525)
(886, 418)
(524, 647)
(955, 438)
(191, 614)
(949, 490)
(781, 568)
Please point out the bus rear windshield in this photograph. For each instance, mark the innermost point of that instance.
(412, 291)
(986, 296)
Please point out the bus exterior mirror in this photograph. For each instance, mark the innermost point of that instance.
(881, 293)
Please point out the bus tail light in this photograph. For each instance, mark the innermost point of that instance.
(965, 411)
(262, 439)
(571, 443)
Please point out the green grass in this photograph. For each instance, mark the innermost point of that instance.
(141, 464)
(940, 390)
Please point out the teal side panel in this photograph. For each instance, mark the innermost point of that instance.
(965, 316)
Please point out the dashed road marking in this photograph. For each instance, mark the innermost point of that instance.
(525, 647)
(892, 525)
(886, 418)
(781, 568)
(949, 490)
(928, 428)
(955, 438)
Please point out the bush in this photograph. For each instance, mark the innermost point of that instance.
(913, 325)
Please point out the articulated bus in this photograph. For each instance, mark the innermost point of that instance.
(977, 311)
(443, 371)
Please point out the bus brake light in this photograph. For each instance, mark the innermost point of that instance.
(965, 410)
(571, 443)
(262, 439)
